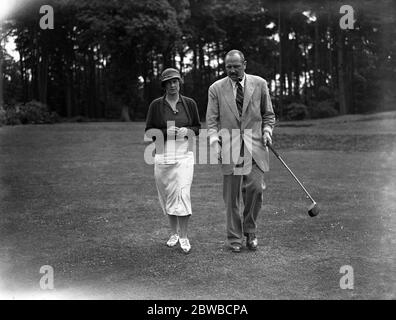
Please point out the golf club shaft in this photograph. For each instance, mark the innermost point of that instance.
(291, 172)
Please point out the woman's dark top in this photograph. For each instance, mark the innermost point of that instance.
(160, 112)
(180, 117)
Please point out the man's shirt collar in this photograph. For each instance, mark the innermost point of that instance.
(234, 83)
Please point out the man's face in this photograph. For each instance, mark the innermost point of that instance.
(235, 67)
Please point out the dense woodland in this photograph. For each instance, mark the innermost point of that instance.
(104, 57)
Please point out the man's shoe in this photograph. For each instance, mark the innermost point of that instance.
(251, 241)
(185, 245)
(235, 248)
(173, 240)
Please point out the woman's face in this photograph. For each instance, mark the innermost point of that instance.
(172, 86)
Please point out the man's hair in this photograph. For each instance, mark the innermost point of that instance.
(233, 52)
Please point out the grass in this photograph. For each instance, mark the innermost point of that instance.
(79, 197)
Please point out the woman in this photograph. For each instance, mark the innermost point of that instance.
(177, 118)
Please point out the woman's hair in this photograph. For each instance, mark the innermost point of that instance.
(163, 83)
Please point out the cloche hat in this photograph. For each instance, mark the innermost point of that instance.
(169, 74)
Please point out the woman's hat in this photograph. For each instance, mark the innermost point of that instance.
(169, 74)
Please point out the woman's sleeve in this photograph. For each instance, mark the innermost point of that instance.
(152, 121)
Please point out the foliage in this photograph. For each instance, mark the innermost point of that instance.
(11, 117)
(323, 109)
(324, 93)
(296, 111)
(3, 118)
(103, 50)
(32, 112)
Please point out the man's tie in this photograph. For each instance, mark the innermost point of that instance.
(239, 98)
(239, 103)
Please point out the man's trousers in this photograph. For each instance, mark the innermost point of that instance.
(242, 191)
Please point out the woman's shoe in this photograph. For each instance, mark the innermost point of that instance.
(174, 238)
(185, 245)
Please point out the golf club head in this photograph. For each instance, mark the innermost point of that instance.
(313, 210)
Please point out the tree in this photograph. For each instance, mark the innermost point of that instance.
(104, 58)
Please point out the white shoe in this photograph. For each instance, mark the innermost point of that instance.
(185, 245)
(174, 238)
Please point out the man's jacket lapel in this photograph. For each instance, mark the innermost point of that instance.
(249, 89)
(229, 96)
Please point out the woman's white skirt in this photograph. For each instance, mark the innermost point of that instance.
(173, 177)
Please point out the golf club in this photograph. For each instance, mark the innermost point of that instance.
(313, 209)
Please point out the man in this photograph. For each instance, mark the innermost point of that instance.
(241, 103)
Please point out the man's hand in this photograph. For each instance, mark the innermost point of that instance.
(267, 138)
(215, 144)
(217, 147)
(171, 131)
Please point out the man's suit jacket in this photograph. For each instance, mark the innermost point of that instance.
(257, 116)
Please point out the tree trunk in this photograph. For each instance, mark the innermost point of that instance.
(290, 82)
(341, 73)
(42, 78)
(92, 85)
(146, 72)
(167, 58)
(316, 62)
(77, 96)
(218, 69)
(69, 108)
(105, 92)
(280, 62)
(1, 78)
(330, 72)
(125, 114)
(351, 67)
(297, 67)
(23, 76)
(306, 75)
(195, 57)
(181, 54)
(201, 58)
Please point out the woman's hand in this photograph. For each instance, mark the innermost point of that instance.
(182, 132)
(172, 131)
